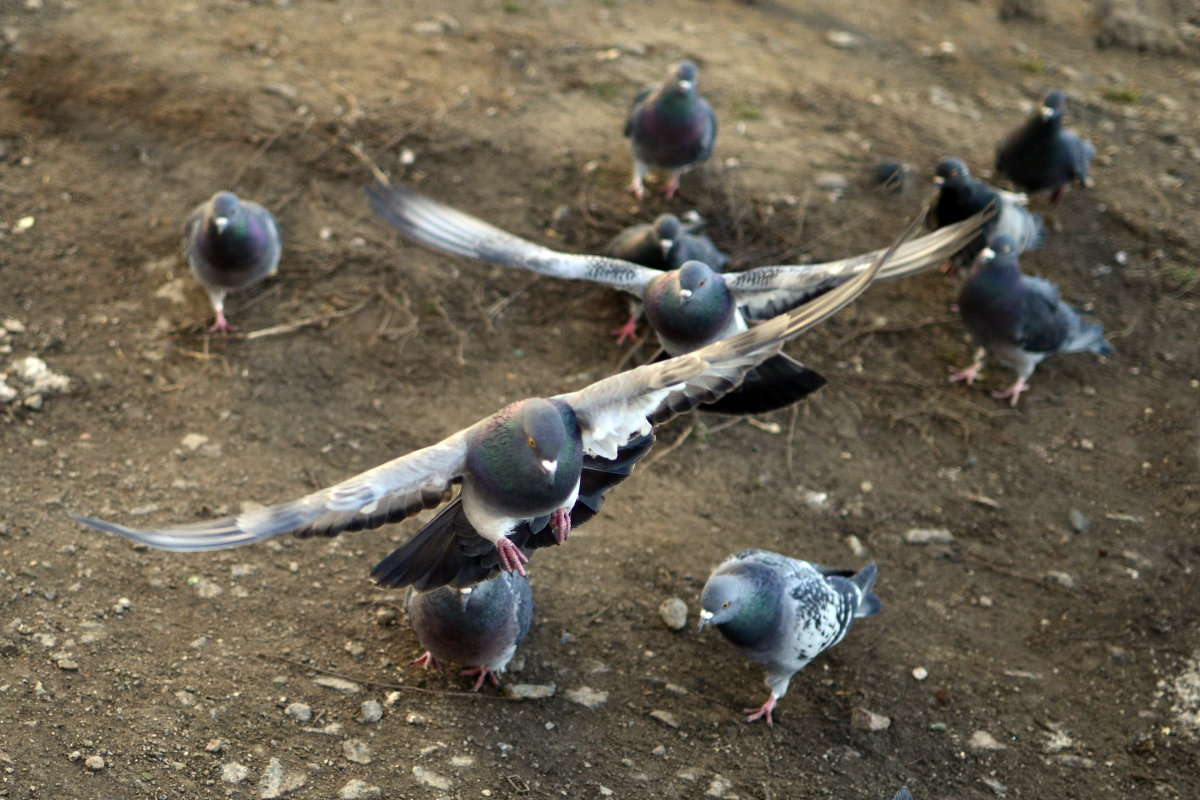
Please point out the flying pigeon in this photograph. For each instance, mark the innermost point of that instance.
(1041, 154)
(666, 244)
(230, 244)
(525, 472)
(1019, 319)
(961, 196)
(782, 612)
(479, 626)
(690, 307)
(670, 127)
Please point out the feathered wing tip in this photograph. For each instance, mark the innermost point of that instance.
(864, 579)
(1090, 338)
(776, 383)
(1036, 238)
(448, 551)
(903, 794)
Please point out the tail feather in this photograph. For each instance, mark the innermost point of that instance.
(864, 579)
(1089, 337)
(777, 383)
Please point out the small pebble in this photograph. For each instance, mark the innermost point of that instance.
(413, 718)
(998, 788)
(529, 691)
(360, 790)
(717, 787)
(431, 779)
(866, 720)
(928, 536)
(920, 673)
(234, 772)
(372, 711)
(94, 763)
(1079, 520)
(1061, 578)
(587, 697)
(842, 40)
(982, 740)
(659, 752)
(674, 613)
(301, 712)
(666, 718)
(337, 684)
(67, 664)
(356, 750)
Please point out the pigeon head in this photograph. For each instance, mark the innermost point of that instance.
(690, 305)
(685, 76)
(541, 424)
(1000, 246)
(680, 92)
(667, 228)
(951, 171)
(1055, 105)
(226, 211)
(742, 604)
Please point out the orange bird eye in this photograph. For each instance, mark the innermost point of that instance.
(531, 442)
(726, 604)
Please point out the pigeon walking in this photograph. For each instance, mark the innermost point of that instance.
(666, 244)
(230, 244)
(1018, 318)
(690, 307)
(1042, 154)
(670, 127)
(527, 474)
(782, 612)
(479, 626)
(961, 196)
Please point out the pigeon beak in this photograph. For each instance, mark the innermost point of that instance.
(987, 254)
(686, 85)
(938, 180)
(221, 223)
(666, 245)
(705, 618)
(685, 294)
(549, 466)
(1047, 112)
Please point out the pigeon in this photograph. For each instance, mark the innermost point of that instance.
(527, 473)
(903, 794)
(230, 244)
(479, 626)
(961, 196)
(1018, 318)
(670, 127)
(690, 307)
(666, 244)
(782, 612)
(1041, 154)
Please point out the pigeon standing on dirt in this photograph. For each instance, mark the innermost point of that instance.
(1041, 154)
(690, 307)
(782, 612)
(1018, 318)
(666, 244)
(903, 794)
(670, 127)
(230, 244)
(526, 472)
(479, 626)
(961, 196)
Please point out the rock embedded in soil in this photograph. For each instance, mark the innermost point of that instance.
(865, 720)
(982, 740)
(360, 790)
(356, 750)
(529, 691)
(674, 613)
(301, 712)
(928, 536)
(587, 697)
(372, 711)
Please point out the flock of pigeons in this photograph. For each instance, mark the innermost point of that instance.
(531, 472)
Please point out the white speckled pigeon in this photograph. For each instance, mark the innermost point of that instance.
(479, 626)
(523, 471)
(961, 196)
(1042, 154)
(1019, 319)
(666, 244)
(690, 307)
(230, 244)
(670, 127)
(782, 612)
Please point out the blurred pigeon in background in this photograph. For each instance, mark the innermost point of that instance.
(1041, 154)
(521, 470)
(903, 794)
(690, 307)
(666, 244)
(1019, 319)
(479, 626)
(230, 244)
(961, 196)
(671, 127)
(781, 612)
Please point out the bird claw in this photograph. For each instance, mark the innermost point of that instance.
(672, 187)
(484, 673)
(626, 331)
(636, 189)
(1013, 392)
(511, 557)
(222, 325)
(968, 375)
(763, 711)
(560, 520)
(426, 661)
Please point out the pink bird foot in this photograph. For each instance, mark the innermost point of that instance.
(484, 673)
(1056, 197)
(426, 661)
(969, 374)
(626, 331)
(764, 711)
(222, 325)
(1013, 392)
(672, 187)
(637, 189)
(511, 557)
(560, 520)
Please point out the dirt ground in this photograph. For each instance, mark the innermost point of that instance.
(1057, 627)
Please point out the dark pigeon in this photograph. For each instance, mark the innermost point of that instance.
(522, 471)
(230, 244)
(479, 626)
(1019, 319)
(1041, 154)
(690, 307)
(782, 613)
(671, 127)
(666, 244)
(960, 196)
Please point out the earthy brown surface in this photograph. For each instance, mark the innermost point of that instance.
(116, 118)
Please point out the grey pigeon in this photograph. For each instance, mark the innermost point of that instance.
(690, 307)
(479, 626)
(1019, 319)
(903, 794)
(670, 127)
(523, 471)
(1042, 154)
(961, 196)
(665, 244)
(230, 244)
(782, 612)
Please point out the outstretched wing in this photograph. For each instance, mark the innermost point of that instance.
(439, 226)
(766, 292)
(388, 493)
